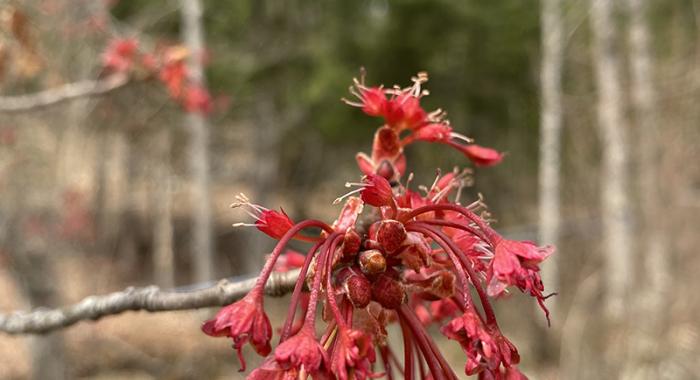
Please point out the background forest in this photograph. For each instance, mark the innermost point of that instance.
(106, 181)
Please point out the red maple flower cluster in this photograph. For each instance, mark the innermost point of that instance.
(124, 56)
(421, 259)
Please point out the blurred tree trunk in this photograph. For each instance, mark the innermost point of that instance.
(35, 272)
(25, 240)
(163, 255)
(647, 333)
(550, 137)
(615, 209)
(202, 249)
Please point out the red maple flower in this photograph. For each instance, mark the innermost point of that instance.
(274, 223)
(373, 100)
(352, 351)
(481, 156)
(197, 99)
(243, 321)
(377, 191)
(173, 74)
(434, 132)
(120, 53)
(415, 258)
(511, 260)
(404, 112)
(486, 350)
(271, 370)
(301, 352)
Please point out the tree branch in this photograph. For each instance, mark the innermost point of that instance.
(70, 91)
(150, 298)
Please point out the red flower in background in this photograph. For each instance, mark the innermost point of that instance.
(120, 53)
(197, 99)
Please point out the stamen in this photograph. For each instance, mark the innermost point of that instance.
(437, 178)
(408, 180)
(340, 199)
(442, 192)
(241, 224)
(461, 137)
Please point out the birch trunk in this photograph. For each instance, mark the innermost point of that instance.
(649, 300)
(615, 207)
(550, 137)
(202, 246)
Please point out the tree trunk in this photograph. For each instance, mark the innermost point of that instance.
(163, 255)
(647, 333)
(550, 137)
(202, 246)
(615, 209)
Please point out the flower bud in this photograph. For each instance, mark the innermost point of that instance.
(351, 243)
(358, 290)
(391, 235)
(388, 292)
(372, 261)
(386, 170)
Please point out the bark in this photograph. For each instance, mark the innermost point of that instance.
(163, 254)
(59, 95)
(615, 207)
(150, 298)
(550, 137)
(647, 333)
(202, 247)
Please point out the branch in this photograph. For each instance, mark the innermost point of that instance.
(70, 91)
(149, 298)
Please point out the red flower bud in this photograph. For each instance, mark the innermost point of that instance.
(386, 170)
(358, 289)
(388, 292)
(391, 235)
(372, 261)
(351, 243)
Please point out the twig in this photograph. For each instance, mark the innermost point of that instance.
(70, 91)
(150, 298)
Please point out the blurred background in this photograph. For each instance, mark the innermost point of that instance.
(111, 175)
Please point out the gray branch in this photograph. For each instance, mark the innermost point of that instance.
(70, 91)
(150, 298)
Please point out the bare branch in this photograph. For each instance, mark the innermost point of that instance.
(150, 298)
(70, 91)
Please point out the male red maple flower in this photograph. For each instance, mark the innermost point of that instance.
(244, 321)
(423, 259)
